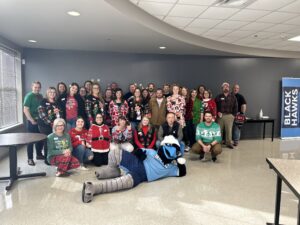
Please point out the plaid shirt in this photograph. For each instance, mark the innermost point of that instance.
(227, 105)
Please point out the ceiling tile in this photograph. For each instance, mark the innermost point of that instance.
(293, 7)
(217, 32)
(196, 30)
(294, 21)
(277, 17)
(160, 9)
(212, 37)
(249, 15)
(281, 36)
(134, 1)
(269, 4)
(197, 2)
(159, 1)
(218, 13)
(295, 31)
(228, 39)
(187, 10)
(262, 43)
(240, 33)
(255, 26)
(263, 34)
(281, 28)
(208, 23)
(178, 21)
(159, 17)
(228, 24)
(247, 40)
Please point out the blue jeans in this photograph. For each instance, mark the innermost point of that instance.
(71, 124)
(236, 133)
(38, 146)
(82, 153)
(181, 143)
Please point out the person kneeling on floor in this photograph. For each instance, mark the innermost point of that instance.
(208, 137)
(139, 166)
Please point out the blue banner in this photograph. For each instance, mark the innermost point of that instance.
(290, 125)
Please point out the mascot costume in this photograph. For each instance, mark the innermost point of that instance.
(125, 170)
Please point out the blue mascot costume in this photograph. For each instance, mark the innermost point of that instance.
(139, 166)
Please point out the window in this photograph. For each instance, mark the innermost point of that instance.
(10, 89)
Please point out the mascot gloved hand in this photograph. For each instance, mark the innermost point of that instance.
(140, 166)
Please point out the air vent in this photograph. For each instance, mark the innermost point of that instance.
(233, 3)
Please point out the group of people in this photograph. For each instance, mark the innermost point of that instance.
(84, 126)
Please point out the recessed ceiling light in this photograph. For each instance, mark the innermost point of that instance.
(297, 38)
(162, 47)
(32, 41)
(74, 13)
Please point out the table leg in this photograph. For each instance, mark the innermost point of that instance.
(32, 175)
(272, 130)
(12, 166)
(277, 203)
(278, 200)
(264, 130)
(298, 219)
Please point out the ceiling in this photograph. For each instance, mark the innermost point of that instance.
(266, 24)
(124, 26)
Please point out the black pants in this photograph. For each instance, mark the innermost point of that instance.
(38, 146)
(100, 159)
(45, 130)
(189, 133)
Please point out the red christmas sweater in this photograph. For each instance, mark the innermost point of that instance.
(115, 111)
(145, 138)
(210, 105)
(99, 138)
(77, 137)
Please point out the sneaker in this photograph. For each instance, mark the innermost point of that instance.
(40, 157)
(187, 149)
(201, 156)
(235, 143)
(60, 174)
(31, 162)
(204, 157)
(83, 168)
(230, 146)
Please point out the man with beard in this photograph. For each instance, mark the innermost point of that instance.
(236, 132)
(151, 89)
(227, 108)
(129, 94)
(166, 89)
(158, 109)
(208, 138)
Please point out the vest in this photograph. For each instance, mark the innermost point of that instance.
(173, 131)
(145, 140)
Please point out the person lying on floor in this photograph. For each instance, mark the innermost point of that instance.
(139, 166)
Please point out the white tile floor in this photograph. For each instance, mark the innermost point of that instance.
(239, 189)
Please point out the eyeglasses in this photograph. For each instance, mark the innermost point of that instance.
(60, 125)
(99, 117)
